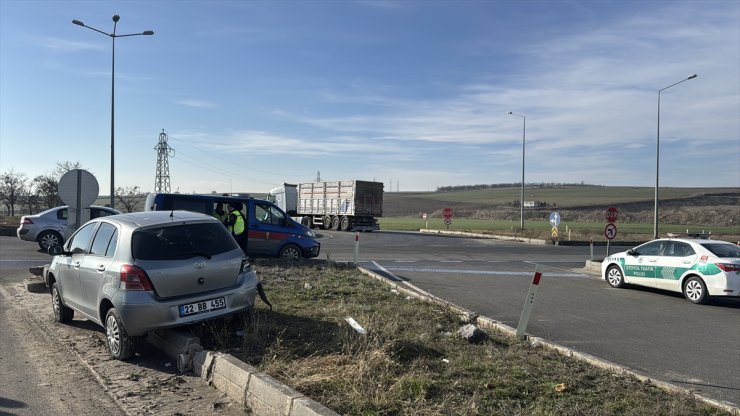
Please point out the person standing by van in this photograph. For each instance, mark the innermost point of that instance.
(236, 224)
(219, 212)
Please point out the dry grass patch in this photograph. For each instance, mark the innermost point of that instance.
(411, 360)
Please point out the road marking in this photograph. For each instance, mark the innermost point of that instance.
(481, 272)
(28, 261)
(391, 275)
(405, 261)
(450, 261)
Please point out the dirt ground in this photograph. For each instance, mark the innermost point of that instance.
(147, 384)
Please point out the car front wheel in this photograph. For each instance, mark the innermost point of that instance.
(62, 313)
(120, 345)
(290, 252)
(695, 291)
(614, 277)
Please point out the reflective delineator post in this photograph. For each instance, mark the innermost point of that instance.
(529, 302)
(357, 245)
(592, 248)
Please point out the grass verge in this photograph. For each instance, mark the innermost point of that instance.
(411, 360)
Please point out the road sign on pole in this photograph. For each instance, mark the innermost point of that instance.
(554, 219)
(611, 214)
(447, 213)
(610, 231)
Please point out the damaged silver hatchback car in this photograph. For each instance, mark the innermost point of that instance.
(140, 272)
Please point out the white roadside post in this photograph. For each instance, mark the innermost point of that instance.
(529, 303)
(357, 245)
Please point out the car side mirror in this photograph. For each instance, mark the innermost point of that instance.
(55, 250)
(633, 252)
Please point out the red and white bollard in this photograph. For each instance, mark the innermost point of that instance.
(357, 245)
(529, 302)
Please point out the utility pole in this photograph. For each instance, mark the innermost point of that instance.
(164, 151)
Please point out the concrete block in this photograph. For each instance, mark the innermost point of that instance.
(203, 363)
(36, 271)
(303, 406)
(173, 342)
(267, 396)
(35, 284)
(232, 377)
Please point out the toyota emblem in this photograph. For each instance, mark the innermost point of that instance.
(199, 264)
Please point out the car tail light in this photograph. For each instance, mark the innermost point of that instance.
(728, 267)
(26, 221)
(135, 278)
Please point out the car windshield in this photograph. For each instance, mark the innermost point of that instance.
(723, 250)
(182, 241)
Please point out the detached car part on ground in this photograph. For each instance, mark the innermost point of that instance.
(698, 268)
(49, 228)
(140, 272)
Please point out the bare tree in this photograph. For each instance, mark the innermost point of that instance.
(46, 188)
(64, 167)
(128, 197)
(12, 186)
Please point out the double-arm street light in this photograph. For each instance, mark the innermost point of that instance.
(524, 139)
(657, 157)
(113, 36)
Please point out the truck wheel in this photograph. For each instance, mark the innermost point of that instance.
(326, 220)
(335, 223)
(306, 221)
(344, 223)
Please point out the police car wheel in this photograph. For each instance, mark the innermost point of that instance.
(614, 277)
(695, 291)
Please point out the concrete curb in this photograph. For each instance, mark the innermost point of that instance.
(488, 323)
(248, 386)
(491, 236)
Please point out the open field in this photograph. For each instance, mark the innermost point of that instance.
(411, 361)
(582, 210)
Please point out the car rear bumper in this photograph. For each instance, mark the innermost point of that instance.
(140, 312)
(725, 284)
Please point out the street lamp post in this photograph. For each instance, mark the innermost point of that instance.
(657, 158)
(524, 139)
(113, 36)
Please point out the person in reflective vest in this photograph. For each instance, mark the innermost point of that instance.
(236, 224)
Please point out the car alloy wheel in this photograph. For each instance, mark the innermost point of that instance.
(112, 332)
(290, 252)
(695, 291)
(614, 277)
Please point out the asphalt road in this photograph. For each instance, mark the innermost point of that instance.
(656, 333)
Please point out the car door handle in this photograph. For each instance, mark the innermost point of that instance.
(686, 262)
(101, 268)
(76, 265)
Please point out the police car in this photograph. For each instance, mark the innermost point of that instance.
(698, 268)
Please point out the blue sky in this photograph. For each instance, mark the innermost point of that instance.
(413, 93)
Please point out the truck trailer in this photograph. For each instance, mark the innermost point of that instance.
(336, 205)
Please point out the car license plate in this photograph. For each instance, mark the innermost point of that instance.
(202, 306)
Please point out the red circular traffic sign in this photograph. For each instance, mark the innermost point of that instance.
(610, 231)
(447, 212)
(611, 214)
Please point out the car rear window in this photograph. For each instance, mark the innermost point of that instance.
(182, 241)
(723, 250)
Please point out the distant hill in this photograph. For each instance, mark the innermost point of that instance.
(709, 206)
